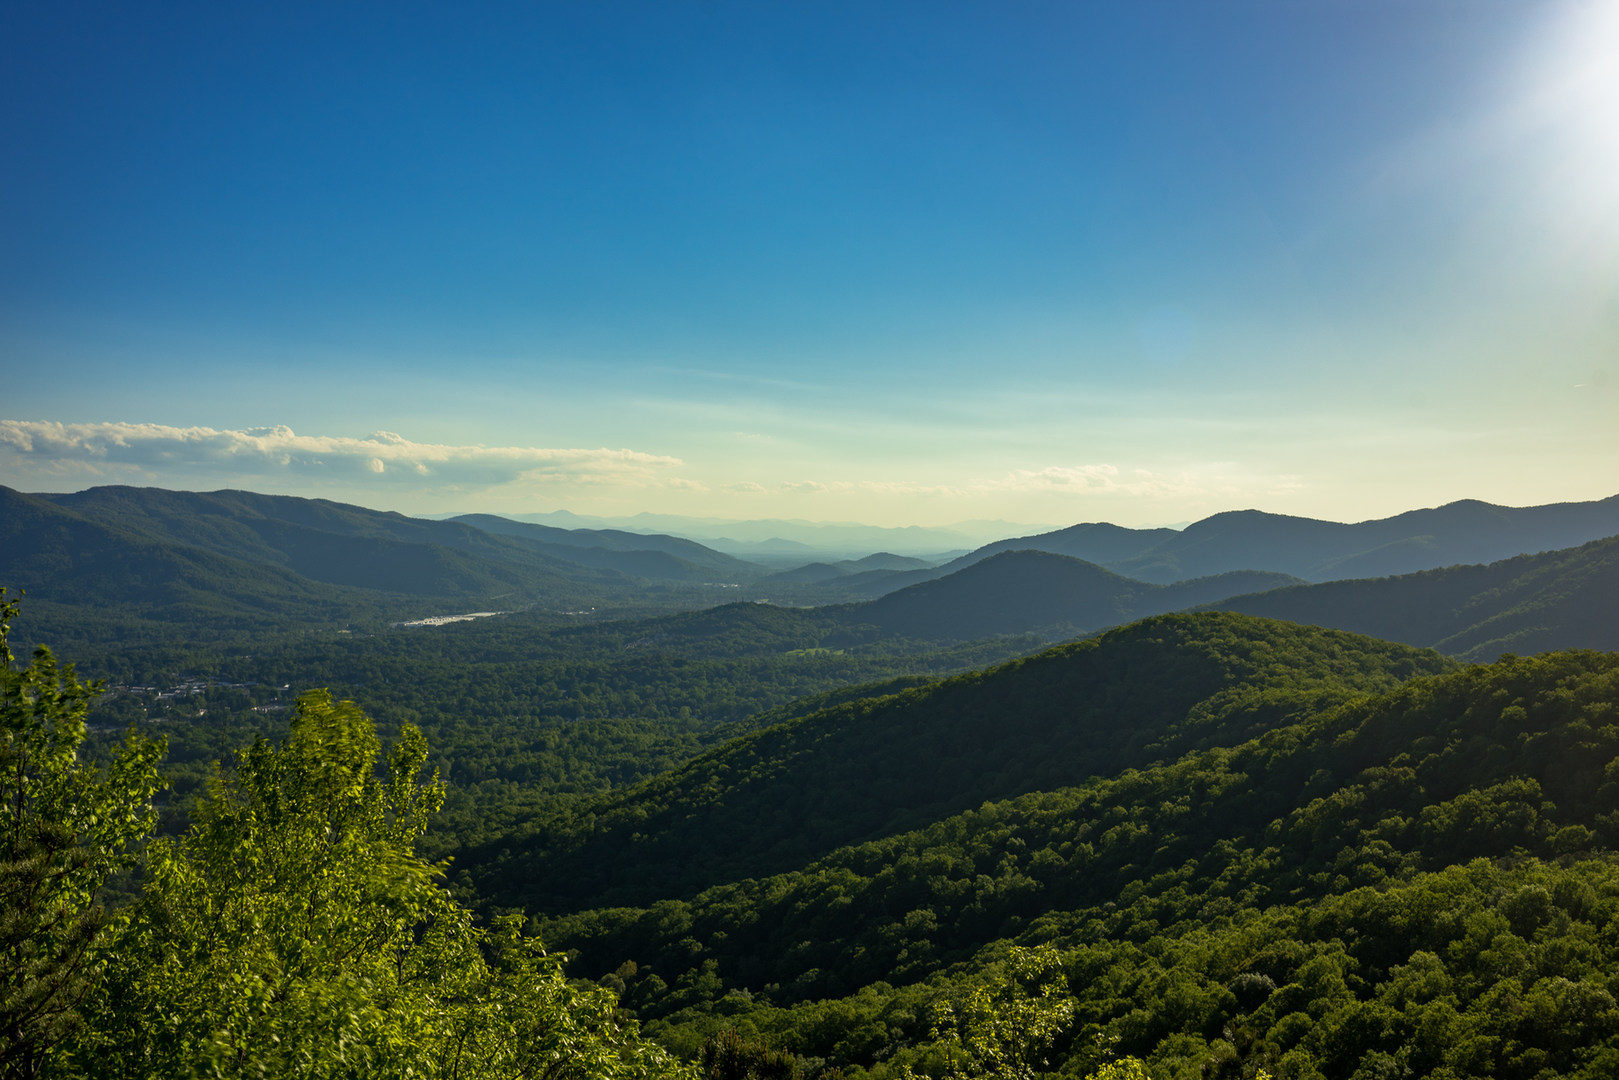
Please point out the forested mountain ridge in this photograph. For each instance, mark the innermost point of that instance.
(681, 559)
(301, 534)
(1419, 880)
(1551, 600)
(1531, 603)
(118, 562)
(88, 569)
(790, 793)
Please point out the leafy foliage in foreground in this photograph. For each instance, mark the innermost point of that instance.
(65, 829)
(293, 932)
(1005, 1028)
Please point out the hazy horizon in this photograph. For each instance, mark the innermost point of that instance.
(894, 264)
(705, 525)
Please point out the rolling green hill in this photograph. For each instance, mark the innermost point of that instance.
(351, 545)
(1419, 880)
(785, 795)
(89, 578)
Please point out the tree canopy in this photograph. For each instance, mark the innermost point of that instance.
(66, 828)
(294, 932)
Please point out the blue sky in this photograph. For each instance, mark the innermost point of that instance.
(888, 262)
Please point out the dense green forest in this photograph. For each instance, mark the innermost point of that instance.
(784, 795)
(756, 840)
(518, 712)
(1419, 879)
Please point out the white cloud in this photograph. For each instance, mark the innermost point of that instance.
(1200, 484)
(45, 456)
(693, 487)
(1070, 478)
(149, 451)
(1218, 480)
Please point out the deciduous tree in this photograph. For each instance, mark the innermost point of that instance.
(1003, 1030)
(295, 933)
(65, 827)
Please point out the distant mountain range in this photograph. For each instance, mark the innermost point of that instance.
(1017, 592)
(650, 555)
(230, 560)
(821, 572)
(1528, 604)
(780, 541)
(239, 560)
(1457, 533)
(1468, 531)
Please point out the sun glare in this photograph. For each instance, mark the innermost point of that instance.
(1564, 114)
